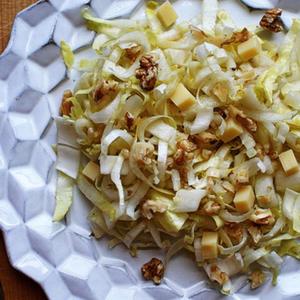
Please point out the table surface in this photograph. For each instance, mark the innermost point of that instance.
(15, 285)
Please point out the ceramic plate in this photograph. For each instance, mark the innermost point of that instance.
(62, 257)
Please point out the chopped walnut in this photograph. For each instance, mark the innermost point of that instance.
(133, 52)
(262, 216)
(211, 208)
(238, 37)
(256, 278)
(205, 138)
(240, 116)
(186, 146)
(183, 171)
(181, 156)
(255, 233)
(153, 270)
(150, 207)
(218, 276)
(105, 88)
(235, 232)
(147, 73)
(142, 153)
(248, 123)
(66, 104)
(271, 20)
(129, 119)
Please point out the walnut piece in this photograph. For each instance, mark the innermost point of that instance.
(150, 207)
(205, 139)
(186, 146)
(271, 20)
(142, 153)
(105, 88)
(129, 120)
(211, 208)
(237, 37)
(240, 116)
(147, 73)
(235, 232)
(153, 270)
(66, 104)
(183, 173)
(133, 52)
(218, 276)
(257, 278)
(181, 157)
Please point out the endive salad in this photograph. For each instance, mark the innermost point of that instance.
(186, 136)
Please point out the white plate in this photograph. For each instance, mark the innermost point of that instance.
(62, 257)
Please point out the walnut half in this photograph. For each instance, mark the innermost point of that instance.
(153, 270)
(271, 20)
(147, 73)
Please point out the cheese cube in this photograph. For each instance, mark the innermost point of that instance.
(209, 245)
(166, 14)
(182, 98)
(249, 49)
(232, 130)
(289, 162)
(244, 199)
(91, 170)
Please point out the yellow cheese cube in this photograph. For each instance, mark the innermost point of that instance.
(289, 162)
(232, 130)
(91, 170)
(166, 14)
(209, 245)
(249, 49)
(182, 98)
(244, 199)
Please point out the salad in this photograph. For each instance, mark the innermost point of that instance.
(186, 136)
